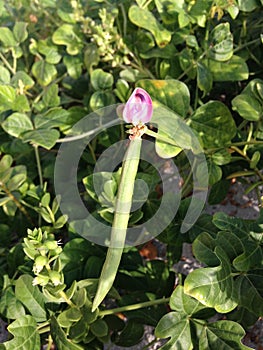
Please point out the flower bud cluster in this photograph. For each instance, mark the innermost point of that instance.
(44, 250)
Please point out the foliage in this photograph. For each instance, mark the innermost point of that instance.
(201, 63)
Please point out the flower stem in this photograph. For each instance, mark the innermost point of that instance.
(39, 168)
(134, 306)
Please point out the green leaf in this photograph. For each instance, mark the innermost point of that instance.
(185, 304)
(31, 297)
(213, 286)
(99, 328)
(4, 75)
(252, 257)
(74, 255)
(187, 62)
(47, 48)
(60, 337)
(164, 149)
(16, 181)
(248, 107)
(145, 19)
(203, 249)
(21, 104)
(218, 192)
(250, 293)
(26, 336)
(171, 93)
(168, 10)
(66, 35)
(7, 97)
(73, 314)
(43, 137)
(101, 80)
(204, 77)
(177, 327)
(74, 66)
(50, 97)
(172, 125)
(232, 224)
(5, 162)
(10, 306)
(221, 157)
(7, 37)
(55, 117)
(214, 124)
(130, 335)
(20, 31)
(44, 72)
(235, 69)
(22, 76)
(100, 99)
(247, 5)
(255, 159)
(215, 173)
(221, 43)
(222, 335)
(17, 123)
(91, 56)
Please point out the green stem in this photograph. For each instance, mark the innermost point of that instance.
(7, 64)
(240, 47)
(120, 221)
(43, 325)
(134, 306)
(67, 300)
(39, 168)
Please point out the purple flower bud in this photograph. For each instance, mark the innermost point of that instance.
(139, 108)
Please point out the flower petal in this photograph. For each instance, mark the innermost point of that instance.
(138, 109)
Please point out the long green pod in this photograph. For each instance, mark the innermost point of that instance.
(120, 221)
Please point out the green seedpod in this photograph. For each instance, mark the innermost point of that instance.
(41, 280)
(51, 245)
(55, 277)
(40, 262)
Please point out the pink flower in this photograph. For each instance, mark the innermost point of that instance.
(138, 109)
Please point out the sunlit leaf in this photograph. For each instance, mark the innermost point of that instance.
(31, 297)
(17, 123)
(213, 286)
(221, 42)
(234, 69)
(222, 335)
(26, 336)
(145, 19)
(214, 124)
(171, 93)
(42, 137)
(177, 327)
(44, 72)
